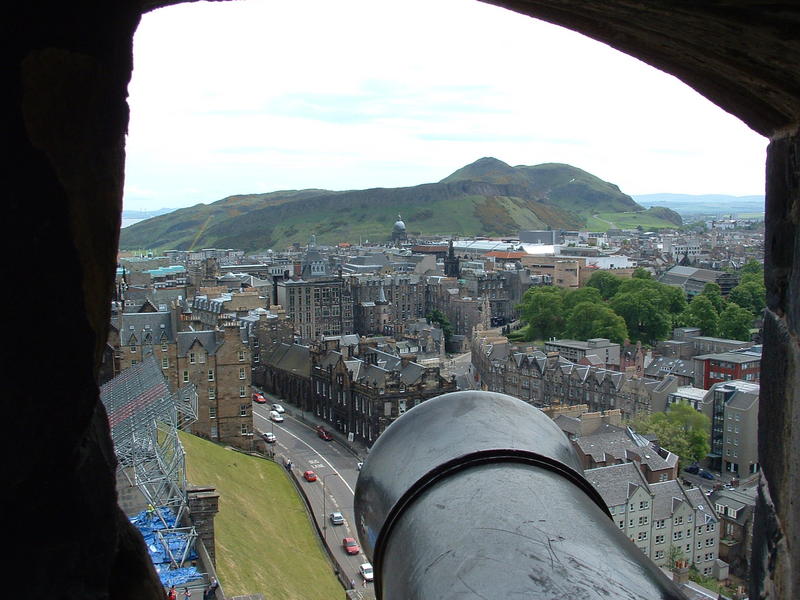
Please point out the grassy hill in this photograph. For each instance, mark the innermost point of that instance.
(487, 197)
(265, 542)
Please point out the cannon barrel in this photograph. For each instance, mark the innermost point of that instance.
(480, 495)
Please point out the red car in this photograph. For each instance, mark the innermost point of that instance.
(310, 476)
(323, 433)
(259, 398)
(350, 546)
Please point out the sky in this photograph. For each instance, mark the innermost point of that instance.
(254, 96)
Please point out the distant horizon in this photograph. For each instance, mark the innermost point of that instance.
(129, 220)
(166, 209)
(257, 96)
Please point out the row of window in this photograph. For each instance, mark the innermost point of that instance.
(244, 411)
(211, 375)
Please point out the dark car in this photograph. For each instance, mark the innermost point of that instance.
(693, 469)
(323, 433)
(706, 475)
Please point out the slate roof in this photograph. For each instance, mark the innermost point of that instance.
(138, 325)
(743, 501)
(209, 340)
(666, 496)
(702, 504)
(616, 483)
(667, 365)
(289, 357)
(611, 442)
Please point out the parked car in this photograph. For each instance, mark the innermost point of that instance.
(350, 545)
(323, 433)
(275, 416)
(694, 469)
(310, 476)
(337, 518)
(269, 437)
(366, 571)
(706, 475)
(259, 398)
(278, 408)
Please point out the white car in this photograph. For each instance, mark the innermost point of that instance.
(366, 571)
(278, 408)
(269, 437)
(275, 416)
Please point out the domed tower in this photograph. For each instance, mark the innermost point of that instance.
(399, 231)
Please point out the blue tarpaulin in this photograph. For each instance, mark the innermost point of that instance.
(148, 525)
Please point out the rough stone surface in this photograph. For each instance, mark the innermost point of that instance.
(66, 69)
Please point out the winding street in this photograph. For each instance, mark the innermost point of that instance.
(337, 471)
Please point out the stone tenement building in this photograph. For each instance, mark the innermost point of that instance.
(502, 288)
(546, 380)
(216, 361)
(316, 307)
(265, 328)
(664, 520)
(404, 295)
(355, 388)
(363, 395)
(209, 312)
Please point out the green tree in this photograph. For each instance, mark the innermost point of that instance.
(585, 294)
(701, 313)
(750, 295)
(649, 308)
(542, 308)
(438, 317)
(669, 298)
(607, 283)
(752, 267)
(674, 299)
(682, 430)
(641, 273)
(590, 320)
(735, 322)
(713, 292)
(644, 316)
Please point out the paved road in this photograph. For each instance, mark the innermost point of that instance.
(337, 472)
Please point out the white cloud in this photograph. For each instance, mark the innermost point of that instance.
(254, 96)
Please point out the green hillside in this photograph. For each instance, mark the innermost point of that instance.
(656, 217)
(265, 541)
(487, 197)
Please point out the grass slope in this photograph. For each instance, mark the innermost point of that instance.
(265, 543)
(652, 218)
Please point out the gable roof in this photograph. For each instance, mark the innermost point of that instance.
(616, 483)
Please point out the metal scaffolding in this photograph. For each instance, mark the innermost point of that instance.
(145, 418)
